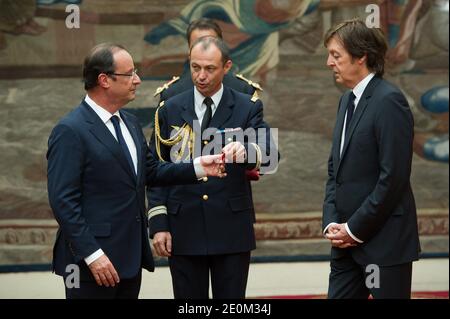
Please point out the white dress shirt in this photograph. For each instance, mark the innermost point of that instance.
(358, 90)
(105, 116)
(200, 107)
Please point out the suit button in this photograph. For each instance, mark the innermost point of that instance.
(138, 219)
(230, 139)
(205, 142)
(205, 197)
(205, 179)
(338, 184)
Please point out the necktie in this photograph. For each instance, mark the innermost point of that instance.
(121, 140)
(207, 117)
(350, 110)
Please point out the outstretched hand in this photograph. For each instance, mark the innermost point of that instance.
(213, 165)
(234, 152)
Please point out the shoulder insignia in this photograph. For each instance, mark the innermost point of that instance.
(250, 82)
(165, 86)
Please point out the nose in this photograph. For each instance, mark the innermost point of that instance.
(202, 74)
(136, 79)
(330, 61)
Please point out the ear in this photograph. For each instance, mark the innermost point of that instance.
(227, 66)
(103, 80)
(363, 59)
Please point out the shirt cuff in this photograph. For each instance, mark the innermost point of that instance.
(93, 257)
(198, 168)
(328, 226)
(351, 234)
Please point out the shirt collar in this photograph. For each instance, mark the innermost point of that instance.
(104, 115)
(358, 90)
(198, 97)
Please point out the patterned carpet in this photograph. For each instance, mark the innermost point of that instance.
(415, 295)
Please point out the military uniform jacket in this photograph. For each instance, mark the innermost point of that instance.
(214, 216)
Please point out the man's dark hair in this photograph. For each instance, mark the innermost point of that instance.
(203, 24)
(359, 40)
(206, 42)
(99, 60)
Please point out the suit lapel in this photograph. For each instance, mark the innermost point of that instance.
(224, 109)
(134, 134)
(101, 132)
(361, 107)
(188, 112)
(339, 127)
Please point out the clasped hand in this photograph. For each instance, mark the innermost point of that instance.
(214, 165)
(339, 237)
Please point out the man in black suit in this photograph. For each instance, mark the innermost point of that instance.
(203, 27)
(208, 228)
(369, 213)
(98, 166)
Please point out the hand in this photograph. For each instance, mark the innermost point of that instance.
(234, 152)
(162, 243)
(104, 272)
(213, 165)
(338, 236)
(252, 175)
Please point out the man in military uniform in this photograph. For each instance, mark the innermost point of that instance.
(207, 228)
(205, 27)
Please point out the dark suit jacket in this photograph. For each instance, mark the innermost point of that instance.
(369, 184)
(97, 199)
(185, 83)
(223, 223)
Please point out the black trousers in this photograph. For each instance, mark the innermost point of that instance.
(229, 273)
(125, 289)
(351, 280)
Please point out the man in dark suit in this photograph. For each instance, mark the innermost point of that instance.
(98, 166)
(369, 213)
(208, 228)
(204, 27)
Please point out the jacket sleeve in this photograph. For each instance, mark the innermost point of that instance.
(329, 214)
(394, 129)
(64, 174)
(157, 196)
(167, 173)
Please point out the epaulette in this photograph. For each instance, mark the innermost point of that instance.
(166, 85)
(255, 96)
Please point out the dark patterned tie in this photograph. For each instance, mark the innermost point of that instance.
(207, 117)
(350, 110)
(121, 140)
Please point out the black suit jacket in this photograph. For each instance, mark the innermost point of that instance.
(223, 223)
(98, 201)
(369, 183)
